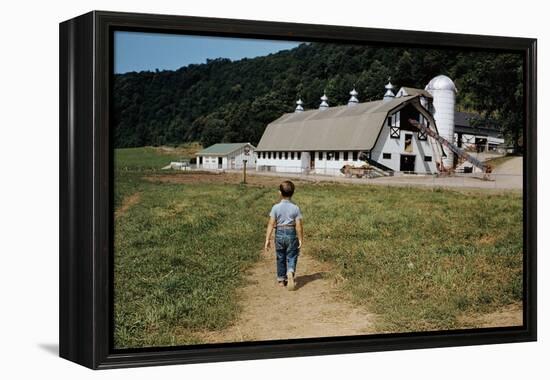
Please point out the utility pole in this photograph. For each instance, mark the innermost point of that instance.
(246, 153)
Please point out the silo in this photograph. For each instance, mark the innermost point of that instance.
(443, 91)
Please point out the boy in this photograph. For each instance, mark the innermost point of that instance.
(286, 218)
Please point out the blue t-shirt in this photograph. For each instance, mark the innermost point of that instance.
(285, 212)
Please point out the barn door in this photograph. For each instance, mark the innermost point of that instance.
(407, 163)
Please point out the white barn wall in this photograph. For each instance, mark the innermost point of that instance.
(209, 162)
(321, 167)
(468, 140)
(238, 156)
(332, 166)
(282, 165)
(396, 147)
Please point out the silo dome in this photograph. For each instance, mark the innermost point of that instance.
(441, 82)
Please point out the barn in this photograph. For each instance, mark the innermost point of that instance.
(226, 156)
(324, 140)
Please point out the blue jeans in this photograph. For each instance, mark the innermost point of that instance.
(286, 247)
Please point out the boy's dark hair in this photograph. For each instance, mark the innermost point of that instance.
(287, 189)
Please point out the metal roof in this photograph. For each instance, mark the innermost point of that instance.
(336, 128)
(222, 149)
(411, 91)
(463, 118)
(463, 125)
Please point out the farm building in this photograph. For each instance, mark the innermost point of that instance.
(226, 156)
(471, 135)
(379, 133)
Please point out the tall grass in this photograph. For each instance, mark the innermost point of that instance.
(179, 256)
(416, 257)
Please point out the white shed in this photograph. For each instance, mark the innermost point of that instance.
(226, 156)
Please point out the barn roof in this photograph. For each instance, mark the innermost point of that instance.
(411, 91)
(222, 149)
(463, 124)
(463, 118)
(336, 128)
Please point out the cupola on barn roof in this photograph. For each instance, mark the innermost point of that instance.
(389, 91)
(299, 106)
(324, 102)
(353, 100)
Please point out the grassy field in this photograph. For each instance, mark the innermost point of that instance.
(152, 158)
(418, 258)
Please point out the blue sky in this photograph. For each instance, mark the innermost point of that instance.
(136, 51)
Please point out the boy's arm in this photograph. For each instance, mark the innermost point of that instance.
(300, 231)
(270, 226)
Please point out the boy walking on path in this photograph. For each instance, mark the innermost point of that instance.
(285, 217)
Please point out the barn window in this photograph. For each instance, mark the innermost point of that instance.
(346, 156)
(408, 143)
(422, 135)
(354, 156)
(330, 156)
(392, 123)
(386, 156)
(336, 156)
(286, 155)
(320, 155)
(299, 155)
(292, 155)
(280, 155)
(268, 154)
(428, 158)
(395, 132)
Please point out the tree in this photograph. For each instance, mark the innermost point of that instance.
(233, 101)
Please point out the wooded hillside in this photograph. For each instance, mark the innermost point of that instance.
(225, 101)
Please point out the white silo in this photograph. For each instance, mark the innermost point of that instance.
(443, 91)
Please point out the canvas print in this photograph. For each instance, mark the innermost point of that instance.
(277, 190)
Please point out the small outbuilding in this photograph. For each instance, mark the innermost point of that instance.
(226, 156)
(472, 134)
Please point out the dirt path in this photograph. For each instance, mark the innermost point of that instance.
(513, 166)
(127, 202)
(315, 309)
(511, 315)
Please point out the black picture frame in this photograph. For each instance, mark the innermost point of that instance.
(85, 259)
